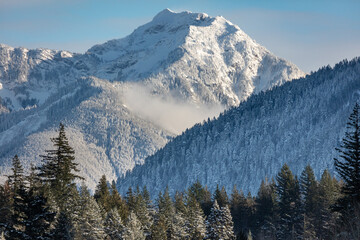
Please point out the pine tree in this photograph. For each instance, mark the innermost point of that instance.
(266, 209)
(220, 225)
(102, 194)
(328, 193)
(59, 167)
(39, 216)
(289, 200)
(195, 219)
(5, 206)
(221, 196)
(159, 228)
(202, 196)
(63, 228)
(15, 229)
(309, 190)
(348, 168)
(90, 225)
(133, 229)
(118, 203)
(113, 225)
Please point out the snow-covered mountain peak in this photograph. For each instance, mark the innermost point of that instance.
(171, 18)
(178, 68)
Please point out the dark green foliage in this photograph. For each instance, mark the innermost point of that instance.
(63, 228)
(5, 205)
(39, 216)
(59, 168)
(267, 210)
(288, 192)
(221, 196)
(102, 194)
(202, 196)
(348, 168)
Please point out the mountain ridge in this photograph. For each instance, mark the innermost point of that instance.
(193, 66)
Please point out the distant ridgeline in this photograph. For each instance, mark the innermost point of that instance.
(299, 123)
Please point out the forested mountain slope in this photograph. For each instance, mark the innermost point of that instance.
(299, 123)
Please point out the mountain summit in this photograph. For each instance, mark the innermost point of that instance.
(124, 99)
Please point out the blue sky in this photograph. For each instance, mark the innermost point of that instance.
(309, 33)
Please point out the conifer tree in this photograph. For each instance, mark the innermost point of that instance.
(39, 216)
(221, 196)
(266, 211)
(328, 193)
(63, 228)
(220, 225)
(159, 228)
(118, 203)
(90, 225)
(309, 189)
(195, 219)
(348, 164)
(102, 194)
(133, 229)
(202, 196)
(113, 225)
(288, 193)
(59, 168)
(5, 206)
(16, 225)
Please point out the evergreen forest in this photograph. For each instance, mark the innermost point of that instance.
(53, 202)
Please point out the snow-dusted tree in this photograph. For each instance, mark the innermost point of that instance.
(113, 226)
(5, 206)
(159, 228)
(133, 229)
(195, 220)
(142, 213)
(220, 224)
(90, 224)
(59, 167)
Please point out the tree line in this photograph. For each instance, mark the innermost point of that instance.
(48, 204)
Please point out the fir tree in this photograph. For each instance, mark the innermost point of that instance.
(221, 196)
(90, 225)
(195, 219)
(16, 226)
(63, 228)
(113, 225)
(39, 216)
(348, 168)
(289, 200)
(309, 189)
(5, 206)
(266, 211)
(133, 229)
(118, 203)
(102, 194)
(59, 168)
(328, 193)
(220, 225)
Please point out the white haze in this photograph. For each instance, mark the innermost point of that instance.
(168, 113)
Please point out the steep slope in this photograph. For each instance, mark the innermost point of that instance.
(299, 123)
(124, 99)
(193, 57)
